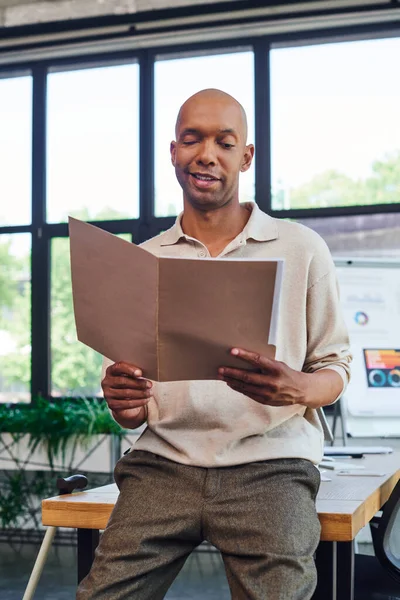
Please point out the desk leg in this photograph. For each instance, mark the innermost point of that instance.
(88, 540)
(325, 560)
(345, 570)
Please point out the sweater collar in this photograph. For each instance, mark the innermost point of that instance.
(260, 227)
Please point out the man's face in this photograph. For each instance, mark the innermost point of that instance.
(210, 151)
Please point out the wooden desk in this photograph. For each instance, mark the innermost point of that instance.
(345, 505)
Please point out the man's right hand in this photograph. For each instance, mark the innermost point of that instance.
(127, 394)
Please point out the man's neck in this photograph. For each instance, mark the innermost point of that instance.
(215, 228)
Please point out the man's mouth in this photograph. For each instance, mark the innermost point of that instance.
(204, 179)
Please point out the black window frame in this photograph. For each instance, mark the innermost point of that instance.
(147, 224)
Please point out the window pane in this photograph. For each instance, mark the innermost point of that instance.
(233, 73)
(335, 125)
(92, 143)
(15, 150)
(15, 317)
(75, 368)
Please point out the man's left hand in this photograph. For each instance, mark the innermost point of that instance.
(271, 382)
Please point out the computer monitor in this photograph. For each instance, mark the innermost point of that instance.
(382, 367)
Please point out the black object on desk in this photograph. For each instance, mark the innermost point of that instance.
(348, 454)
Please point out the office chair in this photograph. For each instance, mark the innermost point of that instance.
(378, 577)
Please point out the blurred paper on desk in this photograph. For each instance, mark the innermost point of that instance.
(175, 318)
(341, 466)
(349, 450)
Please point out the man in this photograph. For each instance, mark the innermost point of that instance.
(231, 460)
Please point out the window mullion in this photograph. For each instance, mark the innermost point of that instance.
(40, 244)
(146, 143)
(262, 124)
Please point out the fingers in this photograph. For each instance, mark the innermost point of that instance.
(248, 377)
(124, 387)
(125, 398)
(261, 384)
(124, 369)
(123, 375)
(258, 360)
(125, 393)
(122, 405)
(128, 383)
(258, 386)
(133, 390)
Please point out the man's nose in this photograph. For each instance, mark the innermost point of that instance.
(207, 153)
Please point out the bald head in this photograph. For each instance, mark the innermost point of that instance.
(210, 149)
(210, 97)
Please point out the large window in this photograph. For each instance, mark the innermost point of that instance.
(232, 72)
(97, 130)
(335, 127)
(15, 150)
(90, 136)
(75, 368)
(15, 317)
(92, 143)
(15, 250)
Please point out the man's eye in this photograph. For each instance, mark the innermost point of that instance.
(226, 145)
(188, 142)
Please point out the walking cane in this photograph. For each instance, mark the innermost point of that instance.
(65, 486)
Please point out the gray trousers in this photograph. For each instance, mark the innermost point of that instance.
(261, 516)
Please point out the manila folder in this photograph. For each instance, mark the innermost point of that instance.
(175, 318)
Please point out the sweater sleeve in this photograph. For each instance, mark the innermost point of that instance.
(327, 336)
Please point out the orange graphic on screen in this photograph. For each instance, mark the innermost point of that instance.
(383, 367)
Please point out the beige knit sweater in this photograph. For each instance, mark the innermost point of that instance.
(205, 423)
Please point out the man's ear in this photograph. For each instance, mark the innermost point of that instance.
(172, 149)
(247, 158)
